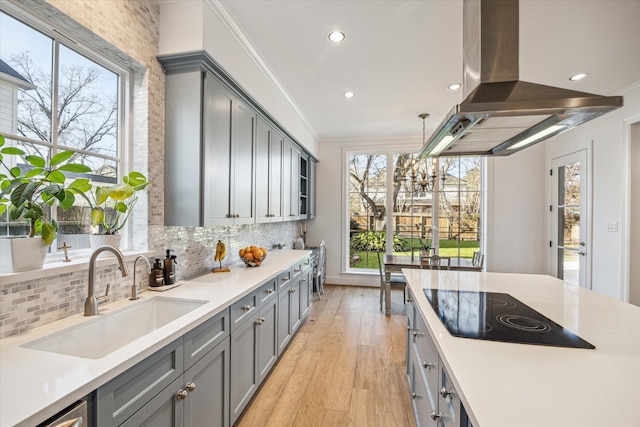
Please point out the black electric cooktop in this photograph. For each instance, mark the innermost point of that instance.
(498, 317)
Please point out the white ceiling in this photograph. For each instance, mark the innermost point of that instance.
(400, 56)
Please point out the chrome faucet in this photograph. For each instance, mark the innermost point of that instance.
(91, 303)
(134, 287)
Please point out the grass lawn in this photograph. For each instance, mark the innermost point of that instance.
(447, 248)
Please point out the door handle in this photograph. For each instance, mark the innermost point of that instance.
(583, 253)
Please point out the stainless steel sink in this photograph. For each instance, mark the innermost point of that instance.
(106, 333)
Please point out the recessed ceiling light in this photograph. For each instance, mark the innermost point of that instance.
(336, 36)
(578, 76)
(349, 94)
(454, 86)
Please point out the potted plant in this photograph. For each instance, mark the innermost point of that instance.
(111, 206)
(30, 193)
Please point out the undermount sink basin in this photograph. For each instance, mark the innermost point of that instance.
(106, 333)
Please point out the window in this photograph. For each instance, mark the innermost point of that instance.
(434, 205)
(58, 95)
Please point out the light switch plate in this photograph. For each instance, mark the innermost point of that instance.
(612, 226)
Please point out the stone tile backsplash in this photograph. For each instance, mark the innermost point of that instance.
(32, 303)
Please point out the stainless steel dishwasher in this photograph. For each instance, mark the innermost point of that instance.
(74, 416)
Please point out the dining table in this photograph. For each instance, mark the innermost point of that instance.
(395, 264)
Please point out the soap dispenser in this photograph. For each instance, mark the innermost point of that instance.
(156, 277)
(169, 269)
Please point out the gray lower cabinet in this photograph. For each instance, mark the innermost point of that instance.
(254, 345)
(306, 288)
(434, 399)
(182, 384)
(285, 285)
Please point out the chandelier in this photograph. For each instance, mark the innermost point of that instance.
(423, 176)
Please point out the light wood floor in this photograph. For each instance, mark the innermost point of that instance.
(345, 367)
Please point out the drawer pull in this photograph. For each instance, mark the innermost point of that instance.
(182, 394)
(303, 280)
(190, 386)
(416, 333)
(446, 393)
(269, 291)
(292, 290)
(284, 279)
(246, 307)
(435, 415)
(260, 321)
(428, 365)
(415, 396)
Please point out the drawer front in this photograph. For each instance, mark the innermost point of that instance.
(123, 396)
(296, 269)
(284, 278)
(205, 337)
(268, 291)
(243, 309)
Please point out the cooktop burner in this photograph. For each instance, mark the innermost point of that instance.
(497, 316)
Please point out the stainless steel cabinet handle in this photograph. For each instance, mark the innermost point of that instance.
(428, 365)
(303, 280)
(182, 394)
(435, 415)
(445, 393)
(259, 322)
(415, 396)
(246, 308)
(292, 290)
(190, 386)
(269, 291)
(416, 333)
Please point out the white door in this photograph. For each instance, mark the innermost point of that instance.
(570, 222)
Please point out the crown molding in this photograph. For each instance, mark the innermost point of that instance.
(245, 43)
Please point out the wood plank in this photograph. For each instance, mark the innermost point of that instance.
(345, 367)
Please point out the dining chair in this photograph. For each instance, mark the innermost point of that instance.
(319, 273)
(396, 282)
(478, 259)
(435, 262)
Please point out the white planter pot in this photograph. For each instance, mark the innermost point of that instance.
(22, 253)
(98, 240)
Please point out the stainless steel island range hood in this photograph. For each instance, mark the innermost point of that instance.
(500, 114)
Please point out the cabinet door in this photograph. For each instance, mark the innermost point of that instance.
(208, 403)
(312, 189)
(295, 307)
(263, 176)
(267, 338)
(305, 285)
(304, 186)
(242, 164)
(449, 402)
(287, 152)
(218, 114)
(275, 176)
(183, 144)
(164, 410)
(244, 366)
(295, 182)
(284, 316)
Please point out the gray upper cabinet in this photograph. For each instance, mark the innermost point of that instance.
(226, 161)
(291, 181)
(228, 157)
(268, 162)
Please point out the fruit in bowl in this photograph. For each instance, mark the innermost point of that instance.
(253, 256)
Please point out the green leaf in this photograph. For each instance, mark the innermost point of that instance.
(23, 193)
(57, 177)
(67, 199)
(81, 184)
(36, 161)
(52, 190)
(121, 207)
(15, 212)
(33, 172)
(12, 150)
(96, 216)
(102, 194)
(74, 167)
(120, 191)
(15, 172)
(1, 140)
(3, 208)
(48, 233)
(61, 157)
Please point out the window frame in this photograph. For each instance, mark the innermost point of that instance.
(124, 90)
(390, 152)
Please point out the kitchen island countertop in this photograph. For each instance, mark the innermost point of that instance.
(35, 385)
(509, 384)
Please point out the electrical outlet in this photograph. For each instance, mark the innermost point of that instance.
(612, 226)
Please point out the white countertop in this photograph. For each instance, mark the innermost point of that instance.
(35, 385)
(506, 384)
